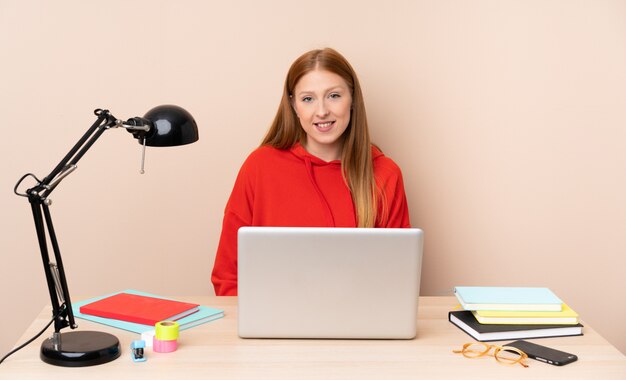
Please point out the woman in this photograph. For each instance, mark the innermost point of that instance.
(316, 167)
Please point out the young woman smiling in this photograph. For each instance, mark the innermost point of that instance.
(316, 167)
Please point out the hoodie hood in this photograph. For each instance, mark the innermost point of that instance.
(299, 151)
(310, 161)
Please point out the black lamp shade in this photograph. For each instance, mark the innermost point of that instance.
(172, 125)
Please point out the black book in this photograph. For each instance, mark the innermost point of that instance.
(465, 320)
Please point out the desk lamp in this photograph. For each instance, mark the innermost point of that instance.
(165, 125)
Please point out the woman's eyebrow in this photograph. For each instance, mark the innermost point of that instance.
(304, 92)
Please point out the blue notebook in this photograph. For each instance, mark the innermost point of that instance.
(507, 298)
(203, 315)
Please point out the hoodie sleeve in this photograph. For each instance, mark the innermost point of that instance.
(224, 276)
(238, 213)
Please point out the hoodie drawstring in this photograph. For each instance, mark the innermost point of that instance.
(309, 170)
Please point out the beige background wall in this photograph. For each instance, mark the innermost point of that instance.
(508, 119)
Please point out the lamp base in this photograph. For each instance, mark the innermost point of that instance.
(80, 349)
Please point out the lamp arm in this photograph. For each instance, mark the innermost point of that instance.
(55, 274)
(68, 164)
(38, 198)
(102, 115)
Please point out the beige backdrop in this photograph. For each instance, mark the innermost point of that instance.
(507, 117)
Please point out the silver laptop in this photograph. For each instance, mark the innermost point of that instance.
(354, 283)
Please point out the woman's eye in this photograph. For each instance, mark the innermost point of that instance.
(334, 96)
(307, 99)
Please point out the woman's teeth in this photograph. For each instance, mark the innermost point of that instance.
(324, 125)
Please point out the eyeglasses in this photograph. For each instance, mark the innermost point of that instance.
(503, 354)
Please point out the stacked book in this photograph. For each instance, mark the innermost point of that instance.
(503, 313)
(138, 312)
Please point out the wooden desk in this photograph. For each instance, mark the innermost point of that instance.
(213, 351)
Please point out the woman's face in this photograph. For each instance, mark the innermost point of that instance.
(323, 100)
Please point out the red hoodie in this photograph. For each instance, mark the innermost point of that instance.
(293, 188)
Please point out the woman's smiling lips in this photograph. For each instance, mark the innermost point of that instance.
(324, 126)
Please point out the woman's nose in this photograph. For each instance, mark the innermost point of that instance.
(322, 109)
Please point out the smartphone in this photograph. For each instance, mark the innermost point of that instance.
(543, 353)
